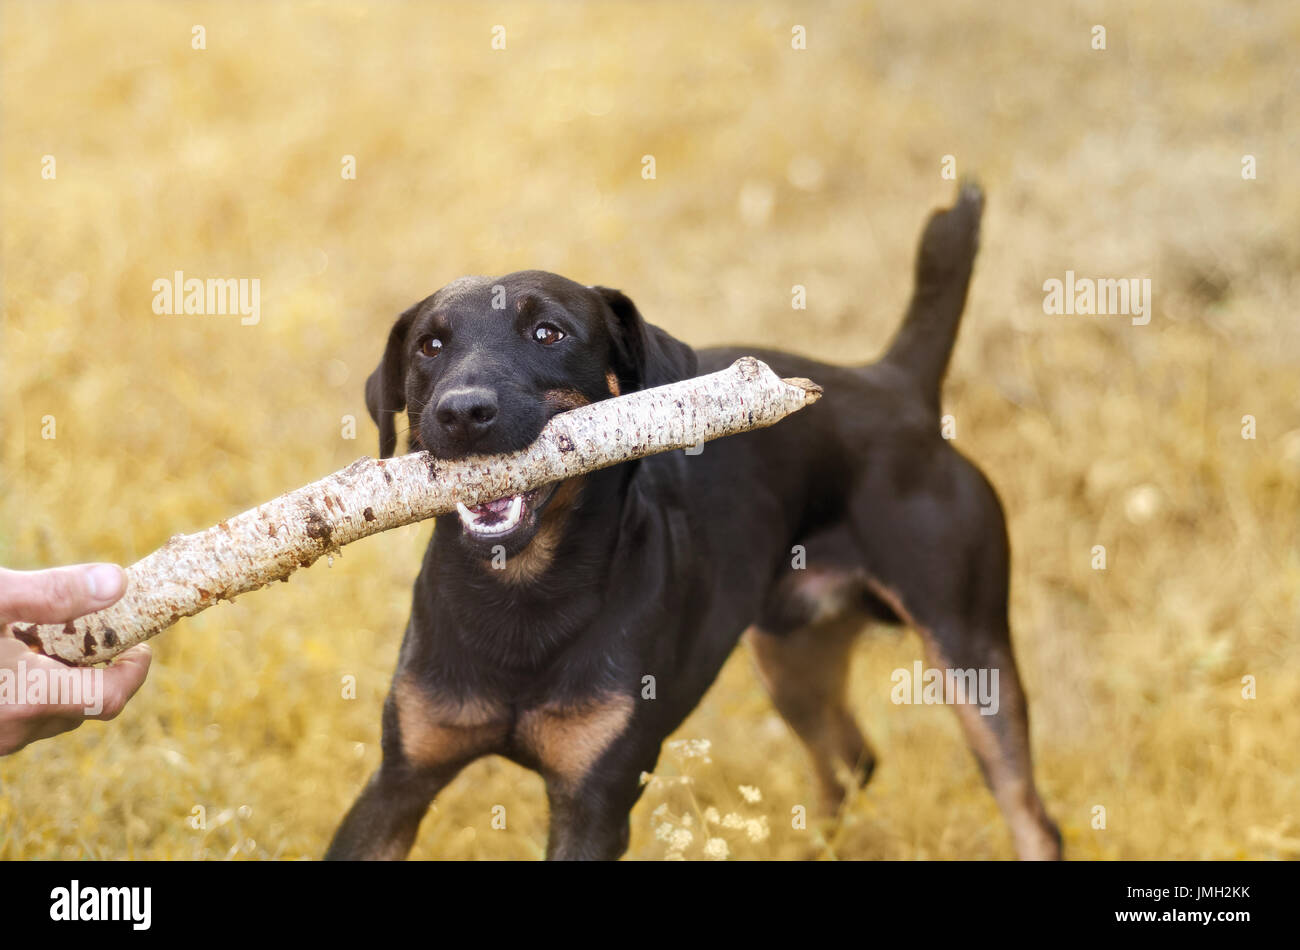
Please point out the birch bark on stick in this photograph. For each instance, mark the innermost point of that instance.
(268, 543)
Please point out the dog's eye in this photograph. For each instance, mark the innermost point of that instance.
(431, 346)
(546, 334)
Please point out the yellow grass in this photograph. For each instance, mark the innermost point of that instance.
(775, 167)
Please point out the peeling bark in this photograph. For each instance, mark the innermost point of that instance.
(268, 543)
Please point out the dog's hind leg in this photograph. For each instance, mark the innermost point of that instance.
(1000, 741)
(802, 645)
(806, 671)
(938, 555)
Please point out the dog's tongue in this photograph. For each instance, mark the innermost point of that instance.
(498, 507)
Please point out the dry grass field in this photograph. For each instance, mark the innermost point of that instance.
(774, 167)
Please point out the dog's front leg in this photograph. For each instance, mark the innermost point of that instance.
(591, 754)
(426, 742)
(590, 822)
(382, 823)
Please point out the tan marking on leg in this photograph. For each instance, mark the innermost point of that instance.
(1011, 780)
(806, 674)
(435, 733)
(1009, 770)
(611, 380)
(829, 593)
(568, 740)
(894, 601)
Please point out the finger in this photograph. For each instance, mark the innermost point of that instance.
(51, 727)
(18, 734)
(60, 594)
(124, 678)
(67, 691)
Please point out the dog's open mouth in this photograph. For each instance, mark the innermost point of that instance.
(504, 516)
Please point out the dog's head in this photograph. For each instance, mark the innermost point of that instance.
(482, 364)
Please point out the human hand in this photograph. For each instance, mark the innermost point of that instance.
(59, 595)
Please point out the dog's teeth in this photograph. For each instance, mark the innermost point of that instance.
(473, 521)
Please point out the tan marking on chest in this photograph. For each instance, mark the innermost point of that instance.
(436, 733)
(568, 740)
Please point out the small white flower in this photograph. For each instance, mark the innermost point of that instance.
(711, 815)
(691, 748)
(715, 849)
(751, 794)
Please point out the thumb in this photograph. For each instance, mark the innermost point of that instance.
(60, 594)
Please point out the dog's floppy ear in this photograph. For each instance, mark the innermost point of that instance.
(644, 355)
(386, 387)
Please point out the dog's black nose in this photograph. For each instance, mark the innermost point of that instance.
(467, 414)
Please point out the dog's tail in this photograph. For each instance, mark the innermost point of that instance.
(944, 262)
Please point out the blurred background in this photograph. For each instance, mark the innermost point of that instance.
(773, 167)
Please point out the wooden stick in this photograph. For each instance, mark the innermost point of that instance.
(268, 543)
